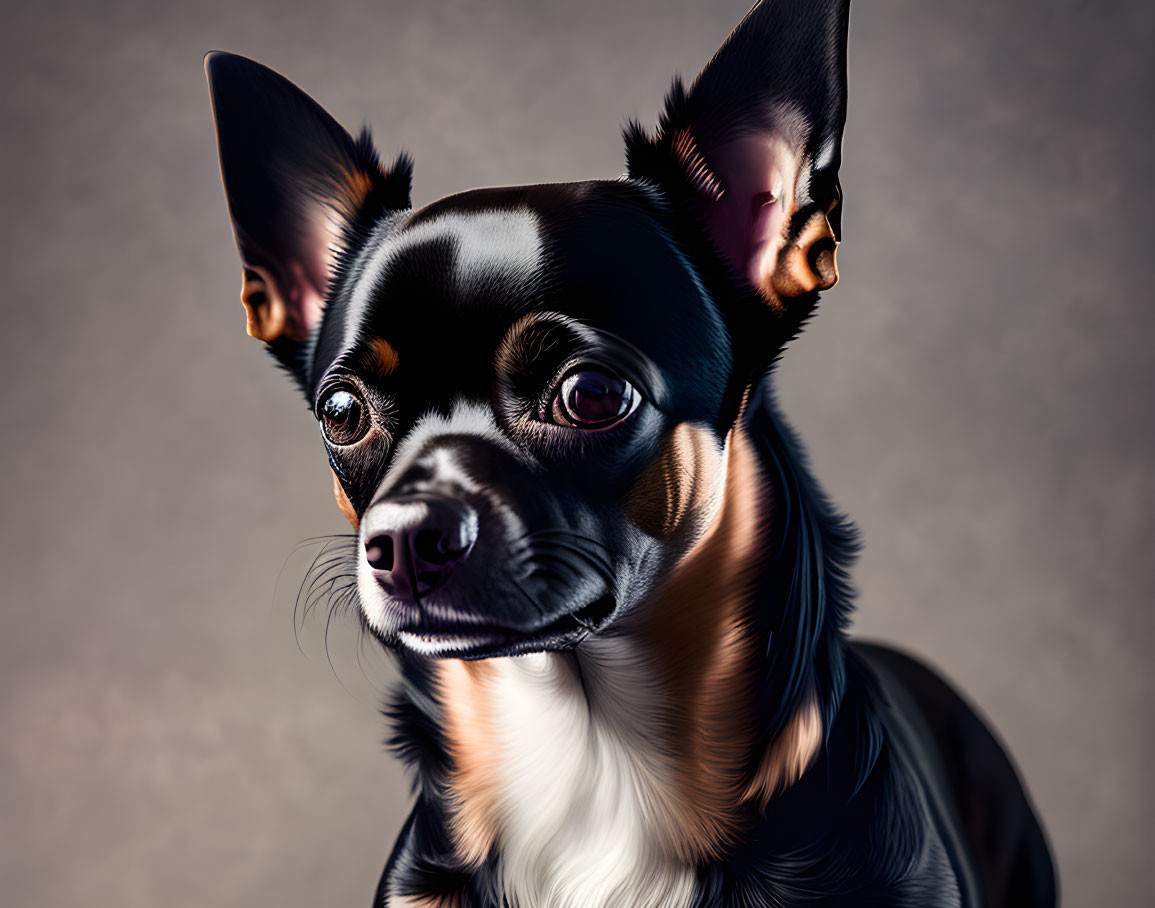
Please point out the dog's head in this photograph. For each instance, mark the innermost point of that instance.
(525, 393)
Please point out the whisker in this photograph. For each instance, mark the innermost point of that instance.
(572, 545)
(329, 655)
(305, 580)
(562, 531)
(325, 590)
(324, 568)
(599, 563)
(528, 598)
(541, 570)
(328, 537)
(339, 562)
(343, 598)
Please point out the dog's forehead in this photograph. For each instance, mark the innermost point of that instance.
(446, 283)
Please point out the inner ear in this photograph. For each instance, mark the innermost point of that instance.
(755, 201)
(752, 150)
(749, 215)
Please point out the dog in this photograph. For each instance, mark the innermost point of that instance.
(618, 598)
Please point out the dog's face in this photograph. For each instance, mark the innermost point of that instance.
(525, 393)
(494, 390)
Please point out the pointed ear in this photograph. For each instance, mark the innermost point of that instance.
(298, 188)
(753, 148)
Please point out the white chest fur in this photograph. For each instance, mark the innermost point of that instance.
(579, 794)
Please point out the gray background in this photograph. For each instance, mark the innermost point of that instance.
(977, 393)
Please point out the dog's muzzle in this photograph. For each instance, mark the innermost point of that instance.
(414, 543)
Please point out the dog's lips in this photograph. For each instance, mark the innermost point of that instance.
(478, 640)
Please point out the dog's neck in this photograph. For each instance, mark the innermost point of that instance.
(639, 749)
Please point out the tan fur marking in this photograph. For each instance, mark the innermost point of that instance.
(285, 307)
(381, 358)
(264, 306)
(671, 485)
(789, 756)
(695, 165)
(424, 901)
(352, 188)
(695, 629)
(472, 735)
(344, 503)
(809, 262)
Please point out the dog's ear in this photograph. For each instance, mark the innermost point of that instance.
(753, 148)
(298, 188)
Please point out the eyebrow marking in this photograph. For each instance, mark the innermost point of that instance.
(555, 338)
(380, 358)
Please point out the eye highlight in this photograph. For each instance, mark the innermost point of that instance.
(343, 416)
(591, 399)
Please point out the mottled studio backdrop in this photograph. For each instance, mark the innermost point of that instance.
(978, 393)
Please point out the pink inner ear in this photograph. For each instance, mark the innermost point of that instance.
(308, 279)
(306, 299)
(749, 220)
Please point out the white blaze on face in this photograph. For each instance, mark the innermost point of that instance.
(420, 446)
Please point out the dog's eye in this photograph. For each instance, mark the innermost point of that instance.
(343, 417)
(593, 399)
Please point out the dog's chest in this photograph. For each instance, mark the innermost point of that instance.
(580, 802)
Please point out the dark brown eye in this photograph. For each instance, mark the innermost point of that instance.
(593, 399)
(343, 417)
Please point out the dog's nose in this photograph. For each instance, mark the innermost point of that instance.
(414, 543)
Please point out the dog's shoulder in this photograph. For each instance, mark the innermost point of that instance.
(995, 839)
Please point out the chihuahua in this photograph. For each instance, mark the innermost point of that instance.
(618, 599)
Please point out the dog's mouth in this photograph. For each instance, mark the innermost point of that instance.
(481, 640)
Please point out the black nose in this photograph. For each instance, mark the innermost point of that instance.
(414, 543)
